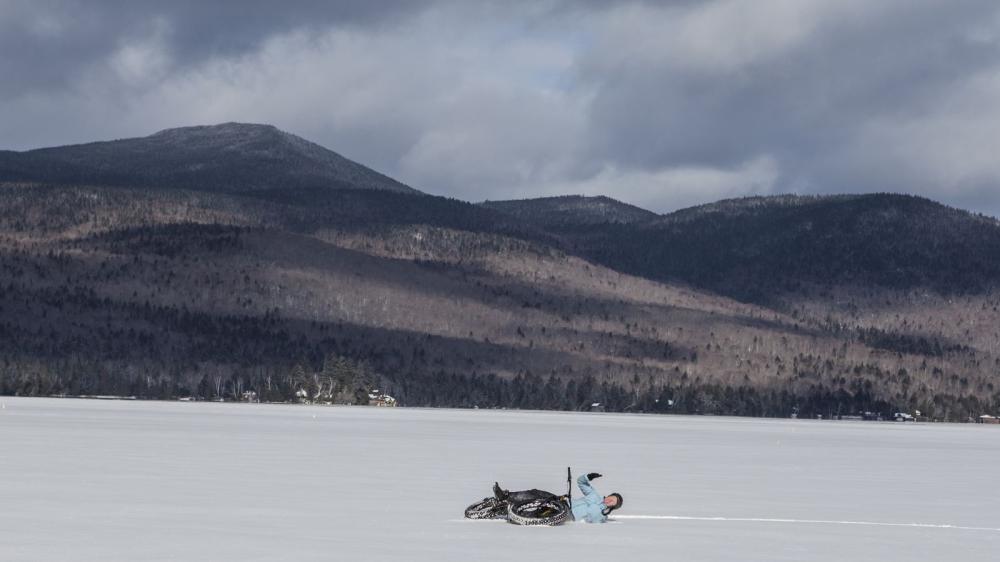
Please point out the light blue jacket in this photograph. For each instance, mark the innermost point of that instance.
(590, 507)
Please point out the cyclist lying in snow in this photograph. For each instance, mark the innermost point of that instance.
(592, 507)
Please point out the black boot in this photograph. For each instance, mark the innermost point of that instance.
(499, 493)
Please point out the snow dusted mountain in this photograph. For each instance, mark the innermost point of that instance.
(231, 157)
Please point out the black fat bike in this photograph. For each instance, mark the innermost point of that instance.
(550, 511)
(529, 507)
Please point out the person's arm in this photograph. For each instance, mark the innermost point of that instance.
(584, 483)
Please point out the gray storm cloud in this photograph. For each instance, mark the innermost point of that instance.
(662, 104)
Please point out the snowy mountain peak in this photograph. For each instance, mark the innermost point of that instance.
(229, 157)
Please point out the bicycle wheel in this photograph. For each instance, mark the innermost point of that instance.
(487, 508)
(551, 511)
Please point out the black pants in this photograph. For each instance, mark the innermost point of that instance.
(528, 495)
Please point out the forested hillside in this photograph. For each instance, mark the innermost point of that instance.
(759, 248)
(176, 286)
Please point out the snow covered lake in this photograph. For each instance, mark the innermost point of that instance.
(114, 480)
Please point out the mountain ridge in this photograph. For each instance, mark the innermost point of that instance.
(571, 210)
(758, 247)
(231, 157)
(822, 306)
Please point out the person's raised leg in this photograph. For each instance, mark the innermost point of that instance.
(528, 495)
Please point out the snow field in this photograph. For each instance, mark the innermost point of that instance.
(113, 480)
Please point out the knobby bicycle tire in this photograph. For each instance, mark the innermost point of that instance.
(539, 512)
(487, 508)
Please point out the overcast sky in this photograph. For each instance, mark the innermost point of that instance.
(661, 104)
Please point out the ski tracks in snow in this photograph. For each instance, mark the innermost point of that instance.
(804, 522)
(772, 520)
